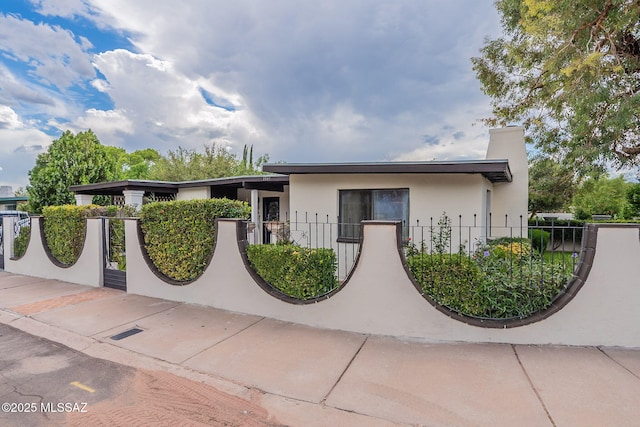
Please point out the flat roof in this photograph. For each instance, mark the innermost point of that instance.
(114, 188)
(493, 170)
(257, 182)
(11, 199)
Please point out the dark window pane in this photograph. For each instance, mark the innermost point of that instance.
(392, 205)
(355, 206)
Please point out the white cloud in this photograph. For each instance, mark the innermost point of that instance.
(303, 81)
(112, 126)
(15, 91)
(305, 70)
(100, 85)
(52, 52)
(9, 119)
(165, 107)
(457, 135)
(65, 8)
(19, 147)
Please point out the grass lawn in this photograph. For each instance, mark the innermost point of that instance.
(562, 258)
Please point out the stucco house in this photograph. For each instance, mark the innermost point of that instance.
(488, 192)
(413, 192)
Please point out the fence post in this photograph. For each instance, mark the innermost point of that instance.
(8, 237)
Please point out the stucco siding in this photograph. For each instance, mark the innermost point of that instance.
(511, 198)
(193, 193)
(429, 195)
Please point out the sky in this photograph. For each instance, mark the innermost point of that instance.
(301, 81)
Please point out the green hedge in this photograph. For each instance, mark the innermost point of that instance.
(179, 236)
(21, 241)
(450, 280)
(560, 229)
(539, 239)
(301, 273)
(64, 229)
(504, 279)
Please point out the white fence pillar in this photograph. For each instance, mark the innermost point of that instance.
(133, 197)
(83, 199)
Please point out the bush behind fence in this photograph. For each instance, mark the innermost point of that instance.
(313, 235)
(492, 272)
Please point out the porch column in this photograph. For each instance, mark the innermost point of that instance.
(83, 199)
(133, 197)
(254, 237)
(254, 207)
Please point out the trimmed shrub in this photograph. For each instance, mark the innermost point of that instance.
(179, 236)
(21, 241)
(503, 279)
(65, 227)
(302, 273)
(563, 229)
(450, 280)
(539, 239)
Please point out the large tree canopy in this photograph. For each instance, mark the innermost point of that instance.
(601, 195)
(69, 160)
(135, 165)
(551, 186)
(186, 164)
(569, 71)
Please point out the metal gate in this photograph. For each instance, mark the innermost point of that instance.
(115, 259)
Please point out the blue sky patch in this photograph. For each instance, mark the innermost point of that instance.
(215, 101)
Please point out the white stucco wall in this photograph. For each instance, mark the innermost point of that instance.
(193, 193)
(379, 298)
(429, 194)
(511, 198)
(87, 270)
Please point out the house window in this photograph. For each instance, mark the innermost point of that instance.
(359, 205)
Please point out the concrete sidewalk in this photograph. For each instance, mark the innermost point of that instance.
(305, 376)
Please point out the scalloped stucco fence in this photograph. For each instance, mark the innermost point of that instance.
(380, 297)
(38, 261)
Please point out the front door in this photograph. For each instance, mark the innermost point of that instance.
(270, 214)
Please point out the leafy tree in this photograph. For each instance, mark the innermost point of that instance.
(119, 156)
(601, 196)
(139, 163)
(569, 70)
(69, 160)
(135, 165)
(551, 186)
(215, 162)
(247, 166)
(633, 201)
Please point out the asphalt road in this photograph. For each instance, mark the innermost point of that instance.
(45, 384)
(41, 382)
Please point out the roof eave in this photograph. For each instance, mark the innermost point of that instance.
(494, 170)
